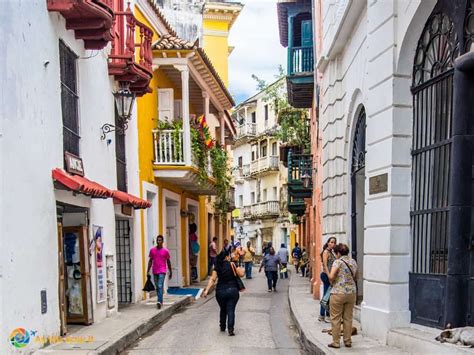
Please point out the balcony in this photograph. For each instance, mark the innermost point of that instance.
(299, 166)
(296, 205)
(246, 211)
(130, 60)
(238, 174)
(245, 132)
(300, 79)
(91, 20)
(268, 209)
(175, 164)
(264, 166)
(246, 171)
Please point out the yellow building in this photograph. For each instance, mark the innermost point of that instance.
(218, 18)
(174, 176)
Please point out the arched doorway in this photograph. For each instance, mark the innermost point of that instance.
(358, 197)
(438, 279)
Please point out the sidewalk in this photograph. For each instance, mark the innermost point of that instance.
(114, 334)
(305, 312)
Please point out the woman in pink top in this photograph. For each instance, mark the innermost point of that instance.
(159, 259)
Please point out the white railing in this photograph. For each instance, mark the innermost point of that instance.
(265, 163)
(247, 129)
(247, 211)
(273, 162)
(267, 208)
(246, 170)
(168, 147)
(254, 167)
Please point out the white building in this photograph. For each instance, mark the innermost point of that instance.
(259, 176)
(389, 154)
(68, 252)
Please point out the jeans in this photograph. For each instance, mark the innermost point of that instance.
(159, 284)
(272, 278)
(325, 280)
(227, 299)
(283, 266)
(342, 306)
(248, 269)
(211, 265)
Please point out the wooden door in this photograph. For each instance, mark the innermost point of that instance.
(62, 281)
(306, 33)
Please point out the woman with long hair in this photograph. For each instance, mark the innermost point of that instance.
(227, 289)
(343, 278)
(327, 259)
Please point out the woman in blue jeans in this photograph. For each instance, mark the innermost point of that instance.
(327, 258)
(227, 290)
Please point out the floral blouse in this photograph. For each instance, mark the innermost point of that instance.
(344, 282)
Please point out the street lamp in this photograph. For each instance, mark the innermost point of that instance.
(306, 180)
(124, 100)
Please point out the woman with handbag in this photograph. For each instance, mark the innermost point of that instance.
(228, 286)
(327, 258)
(343, 297)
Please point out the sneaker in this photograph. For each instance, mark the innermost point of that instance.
(269, 290)
(322, 318)
(158, 305)
(231, 333)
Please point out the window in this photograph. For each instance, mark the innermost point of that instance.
(266, 115)
(254, 117)
(120, 156)
(252, 197)
(274, 149)
(241, 200)
(263, 150)
(264, 195)
(69, 99)
(254, 152)
(275, 193)
(240, 162)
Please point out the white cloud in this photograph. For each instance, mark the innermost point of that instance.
(257, 47)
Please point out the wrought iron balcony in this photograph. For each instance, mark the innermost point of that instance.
(131, 58)
(300, 168)
(296, 205)
(91, 20)
(264, 165)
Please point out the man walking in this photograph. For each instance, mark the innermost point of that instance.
(296, 255)
(159, 259)
(249, 253)
(283, 255)
(212, 256)
(271, 262)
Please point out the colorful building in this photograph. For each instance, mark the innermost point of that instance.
(176, 173)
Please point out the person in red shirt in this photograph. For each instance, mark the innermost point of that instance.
(159, 259)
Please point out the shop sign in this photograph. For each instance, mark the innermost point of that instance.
(74, 164)
(99, 263)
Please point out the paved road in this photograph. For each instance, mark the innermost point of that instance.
(263, 326)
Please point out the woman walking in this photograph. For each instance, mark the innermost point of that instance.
(343, 277)
(227, 290)
(271, 262)
(327, 258)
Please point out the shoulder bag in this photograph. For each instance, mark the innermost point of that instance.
(240, 283)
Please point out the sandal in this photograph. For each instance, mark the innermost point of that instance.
(348, 345)
(333, 346)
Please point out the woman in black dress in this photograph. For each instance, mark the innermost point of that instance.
(227, 290)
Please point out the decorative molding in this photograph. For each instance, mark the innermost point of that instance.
(216, 33)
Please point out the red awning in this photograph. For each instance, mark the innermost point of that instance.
(124, 198)
(81, 184)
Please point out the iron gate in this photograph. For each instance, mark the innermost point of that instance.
(124, 261)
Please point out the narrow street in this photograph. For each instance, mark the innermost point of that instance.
(263, 326)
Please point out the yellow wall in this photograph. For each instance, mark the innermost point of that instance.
(217, 47)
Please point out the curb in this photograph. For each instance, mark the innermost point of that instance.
(122, 341)
(308, 345)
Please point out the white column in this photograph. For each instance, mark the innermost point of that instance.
(259, 242)
(222, 124)
(205, 96)
(185, 110)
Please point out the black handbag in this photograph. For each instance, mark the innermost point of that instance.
(240, 283)
(148, 284)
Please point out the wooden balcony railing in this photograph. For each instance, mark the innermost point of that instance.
(300, 60)
(131, 57)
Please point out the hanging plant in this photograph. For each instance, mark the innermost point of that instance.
(220, 172)
(199, 151)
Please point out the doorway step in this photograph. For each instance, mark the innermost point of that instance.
(418, 339)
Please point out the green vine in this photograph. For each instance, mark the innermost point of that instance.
(220, 172)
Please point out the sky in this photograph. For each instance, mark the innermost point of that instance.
(257, 48)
